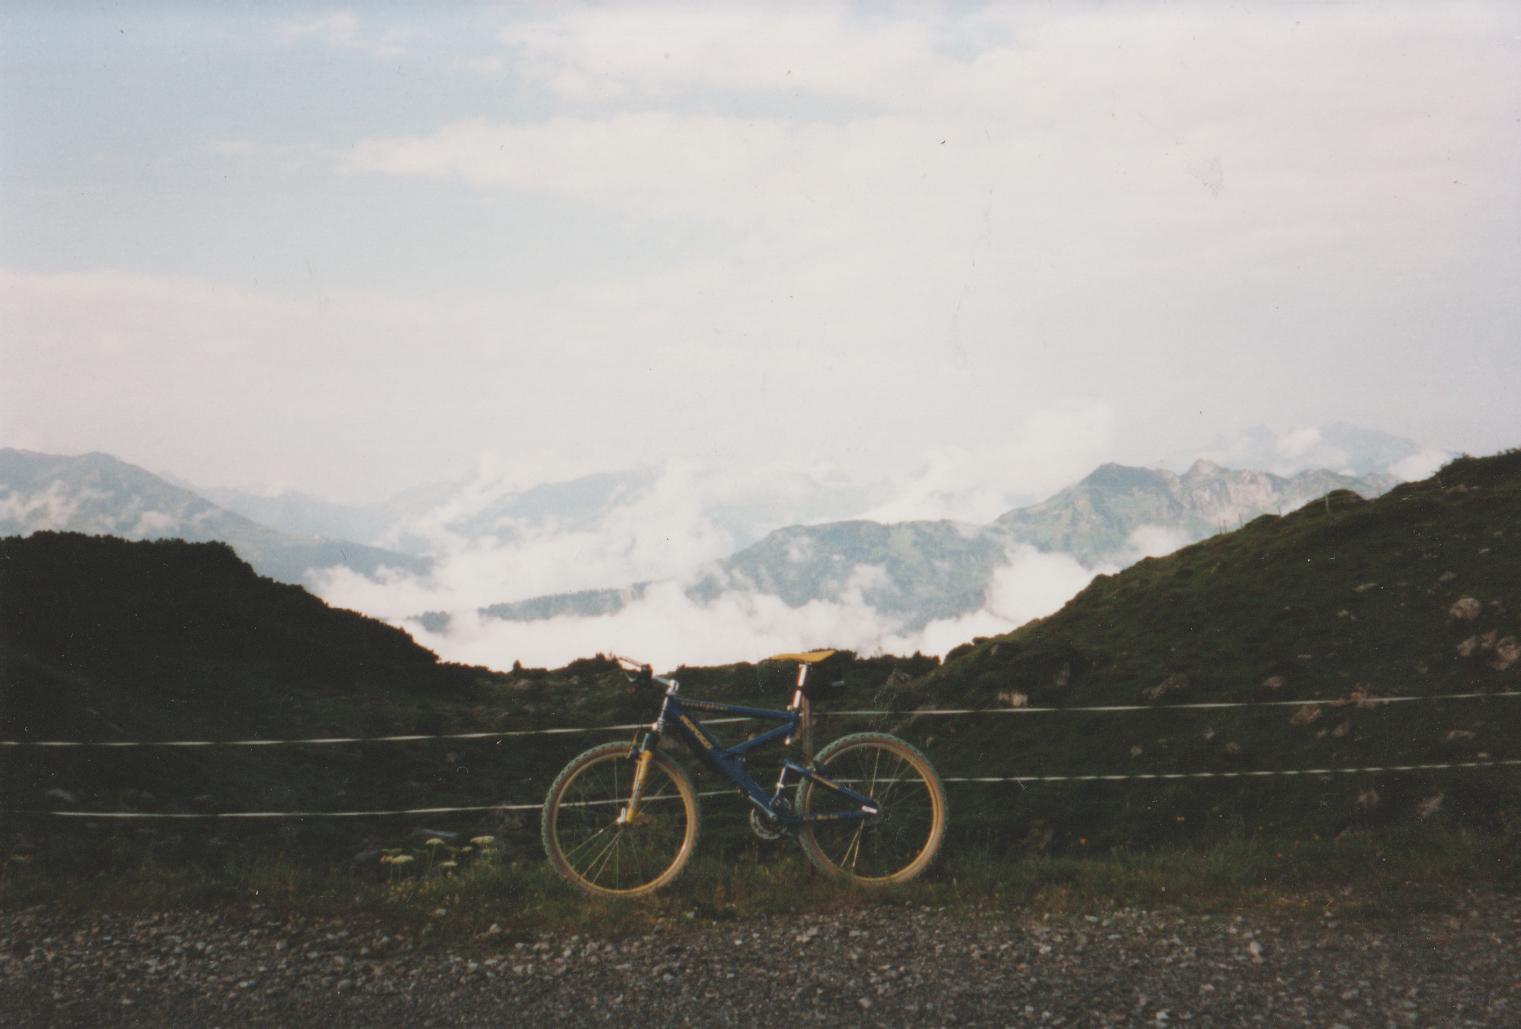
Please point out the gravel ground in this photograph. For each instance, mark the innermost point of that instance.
(882, 966)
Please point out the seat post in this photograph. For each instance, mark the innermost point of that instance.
(797, 704)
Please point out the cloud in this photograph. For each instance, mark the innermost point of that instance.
(1297, 442)
(656, 51)
(666, 625)
(861, 234)
(325, 388)
(1155, 541)
(1338, 447)
(1420, 465)
(662, 532)
(671, 528)
(489, 64)
(56, 507)
(1031, 585)
(1022, 200)
(669, 524)
(340, 29)
(649, 162)
(1046, 451)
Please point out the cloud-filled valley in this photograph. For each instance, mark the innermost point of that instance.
(683, 563)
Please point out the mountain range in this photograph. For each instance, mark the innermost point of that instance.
(743, 505)
(780, 534)
(916, 572)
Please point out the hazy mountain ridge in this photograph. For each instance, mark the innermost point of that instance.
(488, 509)
(1096, 519)
(746, 507)
(912, 570)
(101, 495)
(582, 603)
(301, 514)
(917, 572)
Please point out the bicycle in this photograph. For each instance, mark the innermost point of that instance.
(623, 819)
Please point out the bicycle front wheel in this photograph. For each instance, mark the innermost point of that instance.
(586, 842)
(896, 845)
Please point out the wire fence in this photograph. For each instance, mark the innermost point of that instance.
(506, 807)
(848, 713)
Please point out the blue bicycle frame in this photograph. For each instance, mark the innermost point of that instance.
(678, 716)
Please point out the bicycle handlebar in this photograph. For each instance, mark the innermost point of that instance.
(639, 674)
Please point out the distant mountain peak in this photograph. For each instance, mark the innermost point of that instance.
(1202, 468)
(1122, 476)
(101, 495)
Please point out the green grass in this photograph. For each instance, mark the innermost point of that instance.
(1361, 875)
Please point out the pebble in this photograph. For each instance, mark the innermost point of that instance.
(897, 965)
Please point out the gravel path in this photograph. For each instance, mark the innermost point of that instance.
(907, 966)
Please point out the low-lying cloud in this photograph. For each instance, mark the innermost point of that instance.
(672, 529)
(667, 626)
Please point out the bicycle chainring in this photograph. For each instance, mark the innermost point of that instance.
(764, 827)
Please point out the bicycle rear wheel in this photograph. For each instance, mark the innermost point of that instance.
(592, 851)
(893, 847)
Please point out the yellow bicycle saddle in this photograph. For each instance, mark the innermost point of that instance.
(809, 657)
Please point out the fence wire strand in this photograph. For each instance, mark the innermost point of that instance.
(848, 713)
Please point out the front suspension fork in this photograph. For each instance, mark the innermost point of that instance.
(641, 773)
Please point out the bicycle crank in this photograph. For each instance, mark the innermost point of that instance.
(764, 827)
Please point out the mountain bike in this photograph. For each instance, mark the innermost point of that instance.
(622, 819)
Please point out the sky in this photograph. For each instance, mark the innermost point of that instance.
(348, 250)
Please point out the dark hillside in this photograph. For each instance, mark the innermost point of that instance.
(107, 640)
(182, 630)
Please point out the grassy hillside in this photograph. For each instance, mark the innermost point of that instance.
(1416, 593)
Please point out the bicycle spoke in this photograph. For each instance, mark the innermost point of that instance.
(871, 790)
(853, 852)
(594, 870)
(588, 840)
